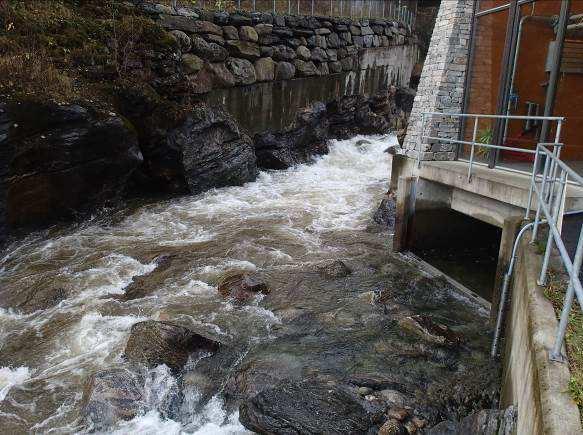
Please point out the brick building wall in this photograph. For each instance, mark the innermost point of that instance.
(441, 88)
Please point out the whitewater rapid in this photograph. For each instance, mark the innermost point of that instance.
(283, 220)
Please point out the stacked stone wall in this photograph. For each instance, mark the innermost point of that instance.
(441, 88)
(222, 50)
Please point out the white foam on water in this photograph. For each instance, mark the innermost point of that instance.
(114, 273)
(296, 208)
(12, 377)
(91, 341)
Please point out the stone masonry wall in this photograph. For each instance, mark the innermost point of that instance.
(441, 88)
(222, 50)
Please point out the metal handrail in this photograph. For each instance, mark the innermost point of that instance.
(550, 189)
(429, 116)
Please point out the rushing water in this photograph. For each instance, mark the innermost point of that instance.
(282, 225)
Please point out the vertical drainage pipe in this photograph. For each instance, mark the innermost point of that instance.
(504, 294)
(556, 67)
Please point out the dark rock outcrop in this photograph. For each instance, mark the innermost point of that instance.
(315, 125)
(241, 286)
(431, 331)
(42, 299)
(57, 161)
(305, 138)
(153, 343)
(484, 422)
(187, 149)
(306, 408)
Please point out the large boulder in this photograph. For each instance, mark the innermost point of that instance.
(242, 70)
(57, 161)
(242, 286)
(153, 343)
(244, 49)
(111, 396)
(209, 51)
(305, 138)
(187, 149)
(285, 71)
(306, 408)
(430, 330)
(119, 394)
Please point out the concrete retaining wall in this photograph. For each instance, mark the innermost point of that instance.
(273, 105)
(535, 385)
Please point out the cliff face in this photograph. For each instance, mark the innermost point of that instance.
(106, 101)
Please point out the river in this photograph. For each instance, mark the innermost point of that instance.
(282, 225)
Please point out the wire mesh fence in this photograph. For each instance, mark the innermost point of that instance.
(398, 10)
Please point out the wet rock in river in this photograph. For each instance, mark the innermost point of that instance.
(242, 286)
(111, 396)
(306, 408)
(42, 299)
(334, 269)
(143, 285)
(387, 211)
(483, 422)
(431, 331)
(153, 343)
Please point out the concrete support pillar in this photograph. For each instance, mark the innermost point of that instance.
(405, 212)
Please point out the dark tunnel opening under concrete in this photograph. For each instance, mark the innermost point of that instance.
(462, 247)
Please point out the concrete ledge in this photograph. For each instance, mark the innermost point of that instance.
(537, 386)
(504, 186)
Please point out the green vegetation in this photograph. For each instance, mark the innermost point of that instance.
(555, 292)
(68, 50)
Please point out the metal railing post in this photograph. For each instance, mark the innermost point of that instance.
(474, 136)
(555, 354)
(553, 221)
(239, 4)
(540, 199)
(532, 181)
(253, 5)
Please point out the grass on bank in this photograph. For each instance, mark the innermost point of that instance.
(555, 292)
(66, 50)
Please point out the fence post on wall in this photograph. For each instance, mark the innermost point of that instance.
(298, 7)
(253, 5)
(239, 4)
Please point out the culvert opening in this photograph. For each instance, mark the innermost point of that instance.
(458, 245)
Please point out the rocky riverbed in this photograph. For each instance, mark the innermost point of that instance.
(273, 307)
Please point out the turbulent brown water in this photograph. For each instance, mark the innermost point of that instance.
(283, 225)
